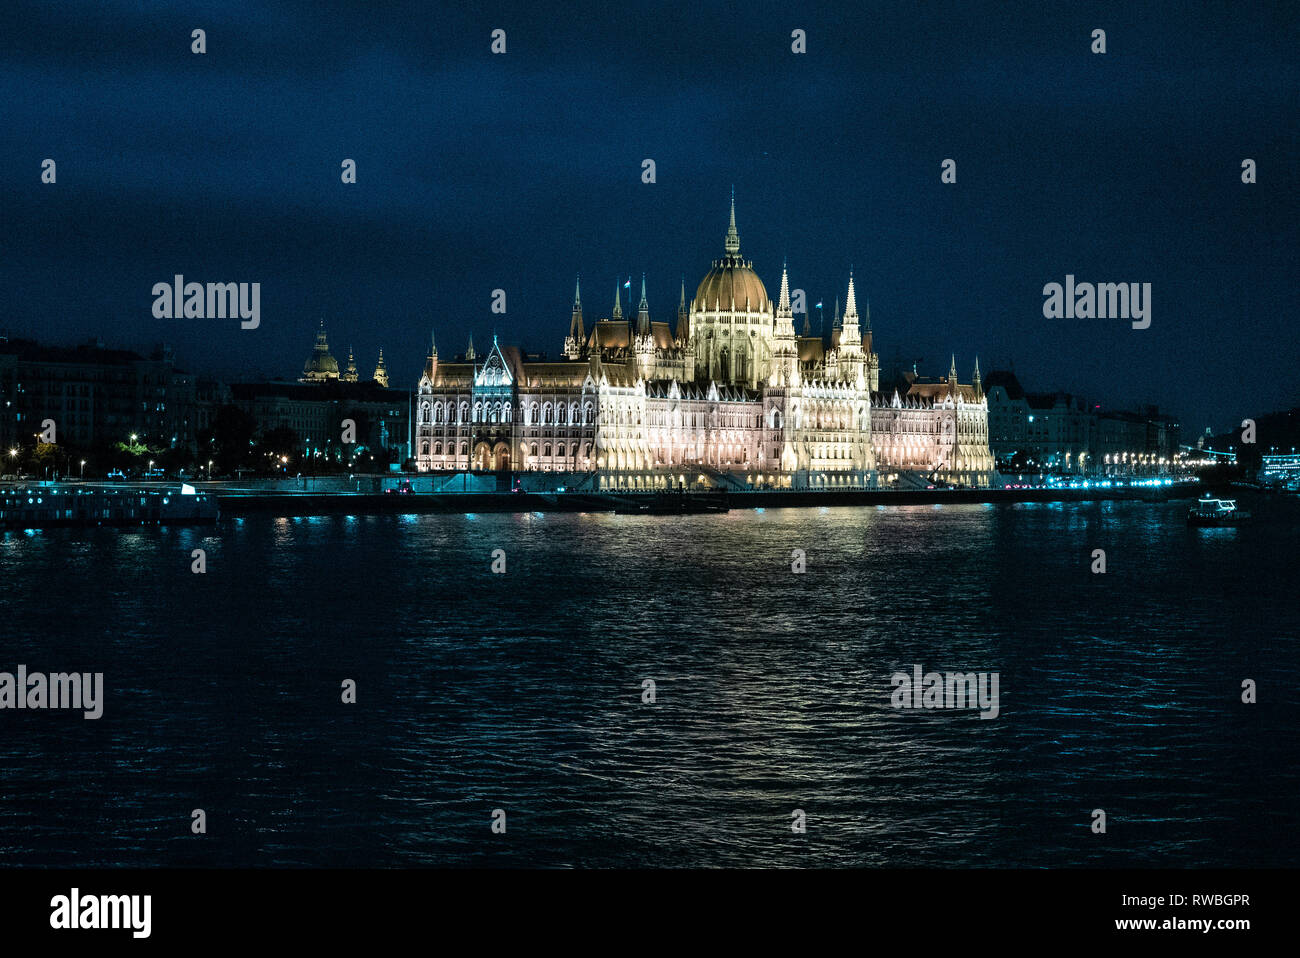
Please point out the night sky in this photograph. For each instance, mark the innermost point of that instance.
(478, 171)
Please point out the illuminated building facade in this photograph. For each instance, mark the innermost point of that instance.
(730, 397)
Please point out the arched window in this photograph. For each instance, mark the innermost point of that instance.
(546, 450)
(424, 448)
(437, 448)
(559, 450)
(534, 450)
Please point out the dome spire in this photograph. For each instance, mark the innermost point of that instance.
(732, 242)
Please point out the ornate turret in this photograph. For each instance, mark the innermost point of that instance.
(577, 337)
(850, 335)
(850, 351)
(643, 313)
(381, 373)
(350, 374)
(644, 343)
(784, 317)
(785, 351)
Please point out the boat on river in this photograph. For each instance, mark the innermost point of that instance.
(44, 505)
(1216, 512)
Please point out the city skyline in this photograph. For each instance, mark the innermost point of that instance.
(226, 167)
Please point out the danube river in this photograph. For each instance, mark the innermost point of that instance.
(523, 691)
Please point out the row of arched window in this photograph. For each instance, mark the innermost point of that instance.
(534, 414)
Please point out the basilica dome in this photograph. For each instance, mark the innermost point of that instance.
(732, 279)
(320, 364)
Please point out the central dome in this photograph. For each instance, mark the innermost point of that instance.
(732, 279)
(320, 364)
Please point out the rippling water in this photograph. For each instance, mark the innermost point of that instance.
(523, 691)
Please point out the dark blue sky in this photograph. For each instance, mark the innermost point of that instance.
(478, 171)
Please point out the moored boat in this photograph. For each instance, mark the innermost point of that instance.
(51, 505)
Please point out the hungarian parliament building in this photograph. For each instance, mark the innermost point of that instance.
(731, 396)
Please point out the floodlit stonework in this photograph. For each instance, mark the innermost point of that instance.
(730, 397)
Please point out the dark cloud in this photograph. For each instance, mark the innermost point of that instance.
(478, 172)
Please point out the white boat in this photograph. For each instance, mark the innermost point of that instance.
(1216, 512)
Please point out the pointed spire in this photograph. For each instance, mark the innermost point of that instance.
(683, 318)
(732, 243)
(618, 300)
(577, 294)
(643, 312)
(433, 343)
(784, 317)
(952, 374)
(469, 350)
(851, 308)
(979, 386)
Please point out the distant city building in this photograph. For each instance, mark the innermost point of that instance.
(1062, 432)
(1008, 416)
(322, 367)
(731, 392)
(97, 395)
(350, 374)
(316, 411)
